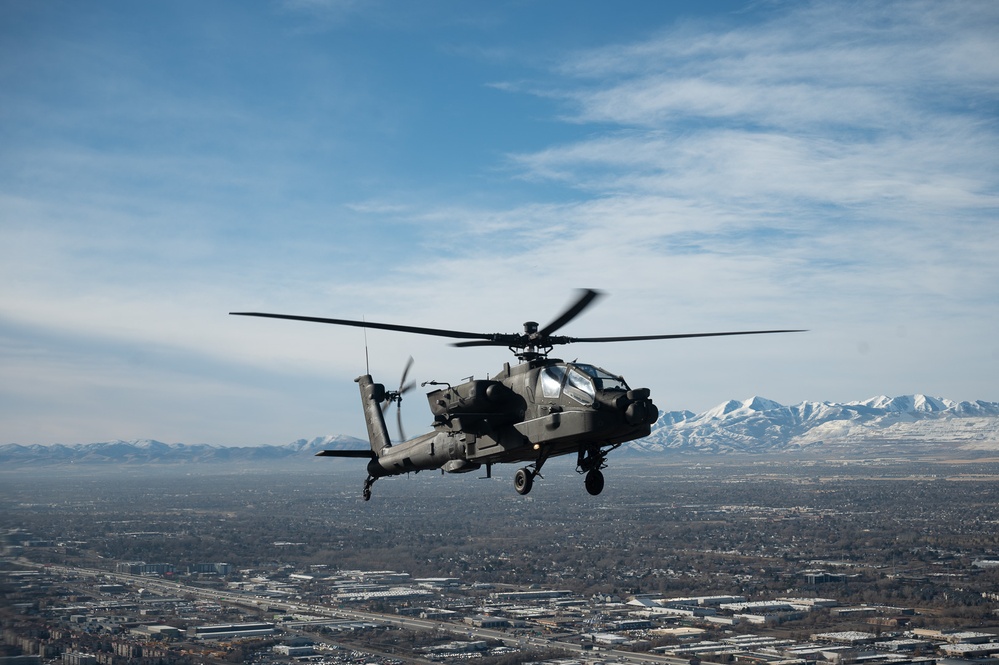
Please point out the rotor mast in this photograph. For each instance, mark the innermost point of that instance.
(533, 346)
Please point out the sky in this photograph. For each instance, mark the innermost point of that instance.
(711, 166)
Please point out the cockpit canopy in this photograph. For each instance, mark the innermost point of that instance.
(578, 381)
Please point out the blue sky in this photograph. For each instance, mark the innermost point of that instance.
(717, 166)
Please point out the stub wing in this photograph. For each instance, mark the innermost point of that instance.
(361, 454)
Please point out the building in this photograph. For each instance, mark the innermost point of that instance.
(516, 596)
(222, 569)
(21, 660)
(294, 651)
(152, 632)
(77, 658)
(222, 631)
(143, 568)
(482, 621)
(437, 582)
(608, 638)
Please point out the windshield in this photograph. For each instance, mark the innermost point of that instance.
(603, 379)
(579, 387)
(551, 380)
(579, 382)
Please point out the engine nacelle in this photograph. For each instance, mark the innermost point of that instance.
(470, 401)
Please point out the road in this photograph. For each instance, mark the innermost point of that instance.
(462, 630)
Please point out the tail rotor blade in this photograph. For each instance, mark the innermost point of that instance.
(395, 397)
(403, 386)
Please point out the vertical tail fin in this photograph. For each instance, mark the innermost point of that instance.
(372, 395)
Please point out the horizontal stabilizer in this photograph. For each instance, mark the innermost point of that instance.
(364, 454)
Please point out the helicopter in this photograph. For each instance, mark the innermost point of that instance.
(529, 412)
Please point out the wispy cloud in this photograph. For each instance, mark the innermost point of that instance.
(875, 123)
(823, 165)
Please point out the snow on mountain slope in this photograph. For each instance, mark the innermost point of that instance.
(758, 425)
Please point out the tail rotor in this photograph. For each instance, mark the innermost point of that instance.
(395, 397)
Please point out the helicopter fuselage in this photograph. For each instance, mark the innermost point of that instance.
(527, 413)
(540, 408)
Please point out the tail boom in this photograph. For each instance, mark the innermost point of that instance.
(372, 395)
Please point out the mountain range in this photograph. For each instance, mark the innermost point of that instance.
(761, 425)
(146, 451)
(914, 423)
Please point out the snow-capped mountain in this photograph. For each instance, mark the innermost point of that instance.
(755, 425)
(760, 425)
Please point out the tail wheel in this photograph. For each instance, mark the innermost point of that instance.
(523, 480)
(594, 482)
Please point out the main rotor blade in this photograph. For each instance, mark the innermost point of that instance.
(587, 296)
(559, 339)
(457, 334)
(637, 338)
(498, 340)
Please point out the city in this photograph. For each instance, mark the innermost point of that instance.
(749, 561)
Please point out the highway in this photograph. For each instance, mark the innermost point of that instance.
(462, 630)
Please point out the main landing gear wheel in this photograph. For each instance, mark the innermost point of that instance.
(594, 482)
(523, 480)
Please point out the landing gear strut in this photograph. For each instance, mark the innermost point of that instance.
(523, 480)
(366, 492)
(590, 461)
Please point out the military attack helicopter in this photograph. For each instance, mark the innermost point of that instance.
(540, 408)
